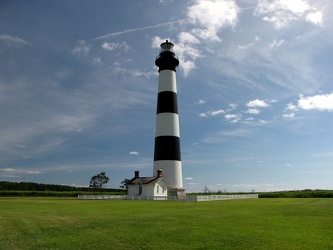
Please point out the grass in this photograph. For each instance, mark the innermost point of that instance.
(54, 223)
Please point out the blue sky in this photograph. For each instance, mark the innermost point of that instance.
(78, 89)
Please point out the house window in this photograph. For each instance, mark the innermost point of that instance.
(158, 188)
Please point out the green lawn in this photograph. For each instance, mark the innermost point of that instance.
(51, 223)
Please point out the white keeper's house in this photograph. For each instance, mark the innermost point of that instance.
(148, 186)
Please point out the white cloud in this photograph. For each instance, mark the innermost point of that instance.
(97, 60)
(212, 113)
(187, 66)
(288, 116)
(317, 102)
(109, 46)
(253, 111)
(20, 171)
(201, 101)
(291, 106)
(315, 17)
(232, 106)
(188, 178)
(81, 49)
(233, 118)
(249, 120)
(237, 132)
(275, 44)
(217, 112)
(212, 15)
(12, 40)
(188, 38)
(250, 45)
(257, 103)
(113, 46)
(134, 73)
(156, 41)
(230, 116)
(134, 153)
(282, 12)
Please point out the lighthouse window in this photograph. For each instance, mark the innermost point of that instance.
(166, 46)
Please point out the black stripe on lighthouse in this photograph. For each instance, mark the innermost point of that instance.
(167, 148)
(167, 102)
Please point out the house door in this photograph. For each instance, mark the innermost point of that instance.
(140, 190)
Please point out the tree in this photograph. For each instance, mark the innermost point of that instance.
(124, 184)
(206, 190)
(97, 181)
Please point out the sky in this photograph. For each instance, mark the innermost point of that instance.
(78, 91)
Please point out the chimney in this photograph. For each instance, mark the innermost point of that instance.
(159, 173)
(136, 174)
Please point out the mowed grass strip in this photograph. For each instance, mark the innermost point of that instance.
(44, 223)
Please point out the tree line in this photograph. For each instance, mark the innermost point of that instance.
(31, 186)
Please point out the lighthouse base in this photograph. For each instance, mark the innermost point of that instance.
(178, 192)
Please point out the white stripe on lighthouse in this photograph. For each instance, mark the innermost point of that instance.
(167, 124)
(167, 81)
(172, 170)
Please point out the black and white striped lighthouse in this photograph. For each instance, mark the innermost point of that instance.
(167, 156)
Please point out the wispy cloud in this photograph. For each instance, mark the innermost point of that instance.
(224, 135)
(288, 116)
(201, 101)
(137, 29)
(81, 48)
(232, 106)
(12, 40)
(212, 113)
(132, 72)
(275, 43)
(113, 46)
(282, 12)
(20, 171)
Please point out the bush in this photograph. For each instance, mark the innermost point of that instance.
(298, 194)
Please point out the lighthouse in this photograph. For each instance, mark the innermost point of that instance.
(167, 153)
